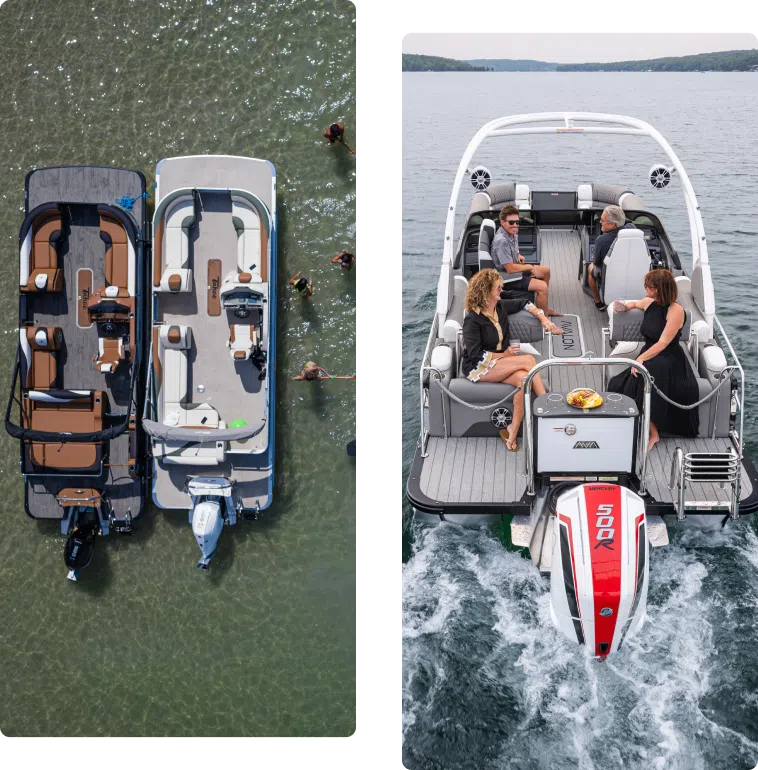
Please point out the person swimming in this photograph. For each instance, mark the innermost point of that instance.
(335, 133)
(303, 285)
(345, 259)
(312, 371)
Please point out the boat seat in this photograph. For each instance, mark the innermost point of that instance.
(458, 419)
(243, 339)
(39, 264)
(625, 266)
(177, 276)
(110, 354)
(184, 453)
(65, 412)
(178, 411)
(120, 259)
(39, 359)
(247, 223)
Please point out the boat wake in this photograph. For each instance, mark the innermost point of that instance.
(489, 682)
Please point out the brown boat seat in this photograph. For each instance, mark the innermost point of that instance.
(43, 273)
(39, 360)
(68, 457)
(116, 241)
(76, 415)
(66, 414)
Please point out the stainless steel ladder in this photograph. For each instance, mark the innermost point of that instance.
(722, 468)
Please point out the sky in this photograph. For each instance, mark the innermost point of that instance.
(573, 48)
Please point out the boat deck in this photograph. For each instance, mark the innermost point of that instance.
(482, 471)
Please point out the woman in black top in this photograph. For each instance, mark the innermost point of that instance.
(664, 358)
(487, 356)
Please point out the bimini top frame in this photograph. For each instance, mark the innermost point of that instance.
(516, 125)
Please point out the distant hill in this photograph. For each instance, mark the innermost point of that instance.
(417, 63)
(720, 61)
(515, 65)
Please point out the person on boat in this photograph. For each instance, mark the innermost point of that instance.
(312, 371)
(346, 260)
(335, 133)
(487, 357)
(663, 357)
(612, 220)
(303, 285)
(505, 255)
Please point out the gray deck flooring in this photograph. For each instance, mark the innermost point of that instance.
(481, 470)
(82, 247)
(232, 388)
(560, 252)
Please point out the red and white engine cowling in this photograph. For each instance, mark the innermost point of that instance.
(599, 569)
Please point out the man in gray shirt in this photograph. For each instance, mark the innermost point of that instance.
(505, 255)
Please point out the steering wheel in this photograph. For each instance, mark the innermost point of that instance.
(108, 327)
(242, 312)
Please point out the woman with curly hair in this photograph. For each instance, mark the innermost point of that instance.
(487, 357)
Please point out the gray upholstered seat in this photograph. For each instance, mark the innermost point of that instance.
(625, 266)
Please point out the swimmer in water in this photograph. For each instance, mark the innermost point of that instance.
(312, 371)
(345, 258)
(303, 285)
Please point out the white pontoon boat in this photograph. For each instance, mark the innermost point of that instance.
(210, 392)
(584, 494)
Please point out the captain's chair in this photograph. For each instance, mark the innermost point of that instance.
(243, 339)
(625, 266)
(486, 236)
(110, 353)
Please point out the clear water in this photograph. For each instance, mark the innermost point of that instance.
(488, 682)
(145, 644)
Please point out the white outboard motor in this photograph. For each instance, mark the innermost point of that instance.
(599, 570)
(207, 523)
(212, 507)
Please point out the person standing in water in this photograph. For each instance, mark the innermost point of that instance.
(336, 133)
(345, 258)
(303, 285)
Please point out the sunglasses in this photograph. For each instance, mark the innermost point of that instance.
(512, 222)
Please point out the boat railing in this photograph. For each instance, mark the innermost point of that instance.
(737, 433)
(528, 420)
(423, 386)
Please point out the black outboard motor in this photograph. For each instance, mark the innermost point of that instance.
(80, 544)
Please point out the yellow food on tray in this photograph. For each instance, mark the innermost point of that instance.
(584, 398)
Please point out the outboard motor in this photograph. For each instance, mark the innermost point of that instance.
(212, 507)
(80, 544)
(599, 571)
(207, 523)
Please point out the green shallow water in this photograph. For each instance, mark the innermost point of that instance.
(145, 644)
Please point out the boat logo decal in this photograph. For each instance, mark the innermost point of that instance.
(604, 526)
(606, 612)
(586, 445)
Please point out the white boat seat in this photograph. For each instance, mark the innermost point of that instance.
(110, 353)
(247, 223)
(182, 453)
(625, 266)
(177, 276)
(243, 339)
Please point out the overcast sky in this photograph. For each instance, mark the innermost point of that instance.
(573, 47)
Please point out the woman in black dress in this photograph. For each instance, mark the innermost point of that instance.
(664, 358)
(487, 356)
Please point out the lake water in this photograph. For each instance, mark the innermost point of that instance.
(488, 682)
(145, 644)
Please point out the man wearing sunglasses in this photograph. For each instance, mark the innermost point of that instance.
(505, 255)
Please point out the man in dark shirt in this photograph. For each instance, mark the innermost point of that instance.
(612, 220)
